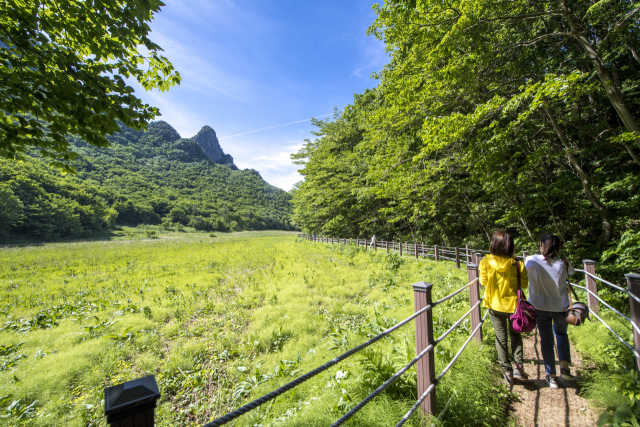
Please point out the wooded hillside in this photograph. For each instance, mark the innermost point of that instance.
(520, 115)
(146, 177)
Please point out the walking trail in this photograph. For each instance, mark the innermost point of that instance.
(541, 406)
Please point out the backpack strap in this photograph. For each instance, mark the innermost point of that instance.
(565, 261)
(518, 276)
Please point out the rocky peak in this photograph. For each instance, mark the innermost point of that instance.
(208, 141)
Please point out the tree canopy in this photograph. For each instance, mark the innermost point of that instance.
(63, 66)
(518, 114)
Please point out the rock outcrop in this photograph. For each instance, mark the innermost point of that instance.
(208, 141)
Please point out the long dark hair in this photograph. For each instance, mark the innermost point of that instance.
(502, 244)
(550, 245)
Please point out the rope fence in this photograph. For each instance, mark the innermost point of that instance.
(267, 397)
(425, 345)
(422, 290)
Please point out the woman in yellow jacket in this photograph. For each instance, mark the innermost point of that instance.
(498, 275)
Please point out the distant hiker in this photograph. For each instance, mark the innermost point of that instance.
(499, 275)
(548, 293)
(373, 242)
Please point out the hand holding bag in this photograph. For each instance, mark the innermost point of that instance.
(524, 319)
(577, 312)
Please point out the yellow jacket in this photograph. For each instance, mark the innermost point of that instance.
(498, 274)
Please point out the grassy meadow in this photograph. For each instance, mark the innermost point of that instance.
(220, 320)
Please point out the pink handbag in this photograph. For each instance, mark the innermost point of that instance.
(524, 319)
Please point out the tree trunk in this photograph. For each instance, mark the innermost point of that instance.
(633, 51)
(478, 220)
(615, 96)
(607, 228)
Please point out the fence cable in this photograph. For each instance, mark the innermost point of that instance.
(626, 291)
(455, 325)
(379, 390)
(609, 307)
(267, 397)
(630, 347)
(622, 340)
(456, 292)
(391, 380)
(439, 377)
(605, 304)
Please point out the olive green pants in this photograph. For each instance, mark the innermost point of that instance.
(504, 329)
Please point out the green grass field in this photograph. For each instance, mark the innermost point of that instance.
(219, 321)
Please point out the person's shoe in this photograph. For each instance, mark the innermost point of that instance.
(508, 377)
(566, 374)
(551, 381)
(519, 373)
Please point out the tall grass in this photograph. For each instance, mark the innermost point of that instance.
(219, 321)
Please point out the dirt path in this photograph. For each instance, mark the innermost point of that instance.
(543, 406)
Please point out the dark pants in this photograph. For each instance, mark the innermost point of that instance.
(550, 323)
(504, 328)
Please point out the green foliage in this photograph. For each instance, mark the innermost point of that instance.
(625, 253)
(57, 82)
(627, 414)
(392, 261)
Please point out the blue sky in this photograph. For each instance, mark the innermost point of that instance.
(253, 65)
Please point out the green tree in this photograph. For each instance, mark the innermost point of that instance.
(63, 66)
(178, 215)
(11, 209)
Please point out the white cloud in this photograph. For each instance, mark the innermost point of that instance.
(277, 169)
(285, 182)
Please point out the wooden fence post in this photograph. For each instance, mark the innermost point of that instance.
(400, 246)
(457, 258)
(435, 249)
(468, 255)
(474, 297)
(415, 249)
(386, 245)
(131, 403)
(590, 267)
(424, 337)
(633, 284)
(477, 257)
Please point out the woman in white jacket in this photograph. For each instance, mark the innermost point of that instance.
(548, 293)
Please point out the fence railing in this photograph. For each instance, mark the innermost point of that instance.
(133, 403)
(465, 255)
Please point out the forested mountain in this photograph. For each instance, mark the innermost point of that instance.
(519, 115)
(146, 177)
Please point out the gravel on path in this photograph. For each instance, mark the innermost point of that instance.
(541, 406)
